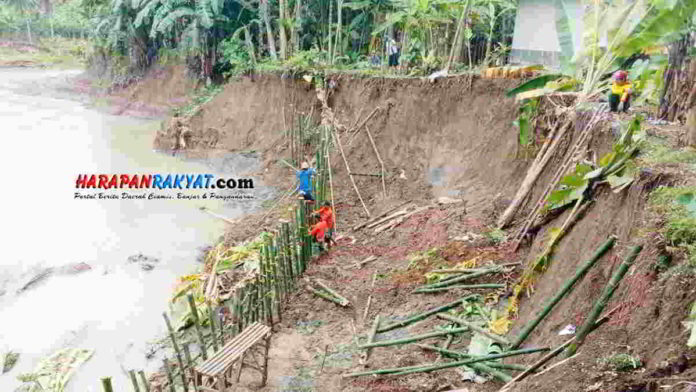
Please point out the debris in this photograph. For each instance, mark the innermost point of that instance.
(474, 327)
(369, 299)
(457, 279)
(567, 330)
(448, 200)
(369, 221)
(360, 264)
(147, 263)
(414, 338)
(344, 300)
(329, 297)
(54, 372)
(9, 361)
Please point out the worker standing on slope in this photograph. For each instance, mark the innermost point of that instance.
(325, 214)
(318, 233)
(305, 177)
(621, 91)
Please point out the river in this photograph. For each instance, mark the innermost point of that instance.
(49, 137)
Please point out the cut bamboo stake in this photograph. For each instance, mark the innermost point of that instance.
(413, 338)
(360, 264)
(431, 367)
(371, 339)
(170, 378)
(360, 226)
(213, 328)
(189, 364)
(134, 381)
(355, 186)
(396, 222)
(324, 295)
(197, 325)
(381, 163)
(369, 299)
(603, 300)
(175, 345)
(422, 316)
(106, 384)
(463, 286)
(555, 352)
(333, 205)
(462, 278)
(338, 296)
(474, 327)
(146, 384)
(608, 244)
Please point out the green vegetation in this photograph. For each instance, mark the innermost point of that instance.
(678, 206)
(200, 98)
(657, 151)
(621, 362)
(496, 235)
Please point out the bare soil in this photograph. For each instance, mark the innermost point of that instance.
(445, 139)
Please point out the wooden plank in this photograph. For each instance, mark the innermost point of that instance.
(226, 357)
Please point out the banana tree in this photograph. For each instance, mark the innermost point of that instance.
(493, 10)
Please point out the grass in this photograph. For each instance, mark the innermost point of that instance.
(56, 52)
(657, 151)
(621, 362)
(496, 236)
(678, 207)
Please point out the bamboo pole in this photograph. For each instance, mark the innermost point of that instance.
(363, 122)
(338, 296)
(175, 345)
(134, 381)
(508, 366)
(413, 338)
(458, 279)
(603, 300)
(379, 158)
(146, 384)
(481, 367)
(608, 244)
(340, 147)
(333, 205)
(431, 367)
(371, 338)
(474, 327)
(189, 364)
(170, 378)
(213, 329)
(386, 219)
(463, 286)
(396, 222)
(555, 352)
(197, 325)
(324, 295)
(423, 315)
(106, 384)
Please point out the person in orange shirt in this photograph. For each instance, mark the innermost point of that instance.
(325, 213)
(318, 233)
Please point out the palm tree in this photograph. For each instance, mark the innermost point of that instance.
(25, 7)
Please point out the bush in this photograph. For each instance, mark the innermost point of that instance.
(235, 58)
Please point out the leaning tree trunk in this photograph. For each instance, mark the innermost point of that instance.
(263, 5)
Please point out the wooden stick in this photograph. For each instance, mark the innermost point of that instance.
(366, 174)
(399, 221)
(555, 365)
(463, 286)
(360, 226)
(134, 381)
(333, 205)
(228, 220)
(106, 384)
(355, 186)
(608, 244)
(288, 164)
(341, 298)
(371, 339)
(386, 219)
(457, 279)
(146, 384)
(369, 116)
(324, 295)
(369, 299)
(360, 264)
(474, 327)
(381, 163)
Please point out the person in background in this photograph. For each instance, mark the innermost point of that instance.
(318, 232)
(325, 214)
(621, 91)
(393, 52)
(305, 177)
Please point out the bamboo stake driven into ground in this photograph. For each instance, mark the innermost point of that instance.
(355, 186)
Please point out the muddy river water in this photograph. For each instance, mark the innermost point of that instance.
(116, 306)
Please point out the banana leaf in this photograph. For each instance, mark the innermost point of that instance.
(537, 83)
(53, 373)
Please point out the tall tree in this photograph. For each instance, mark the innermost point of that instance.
(26, 8)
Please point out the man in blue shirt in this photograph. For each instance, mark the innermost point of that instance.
(305, 178)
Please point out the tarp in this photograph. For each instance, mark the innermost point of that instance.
(54, 372)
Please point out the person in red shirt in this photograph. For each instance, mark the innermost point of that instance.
(318, 232)
(325, 213)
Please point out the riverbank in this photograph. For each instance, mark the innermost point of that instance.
(448, 140)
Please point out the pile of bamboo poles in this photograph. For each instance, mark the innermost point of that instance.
(259, 297)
